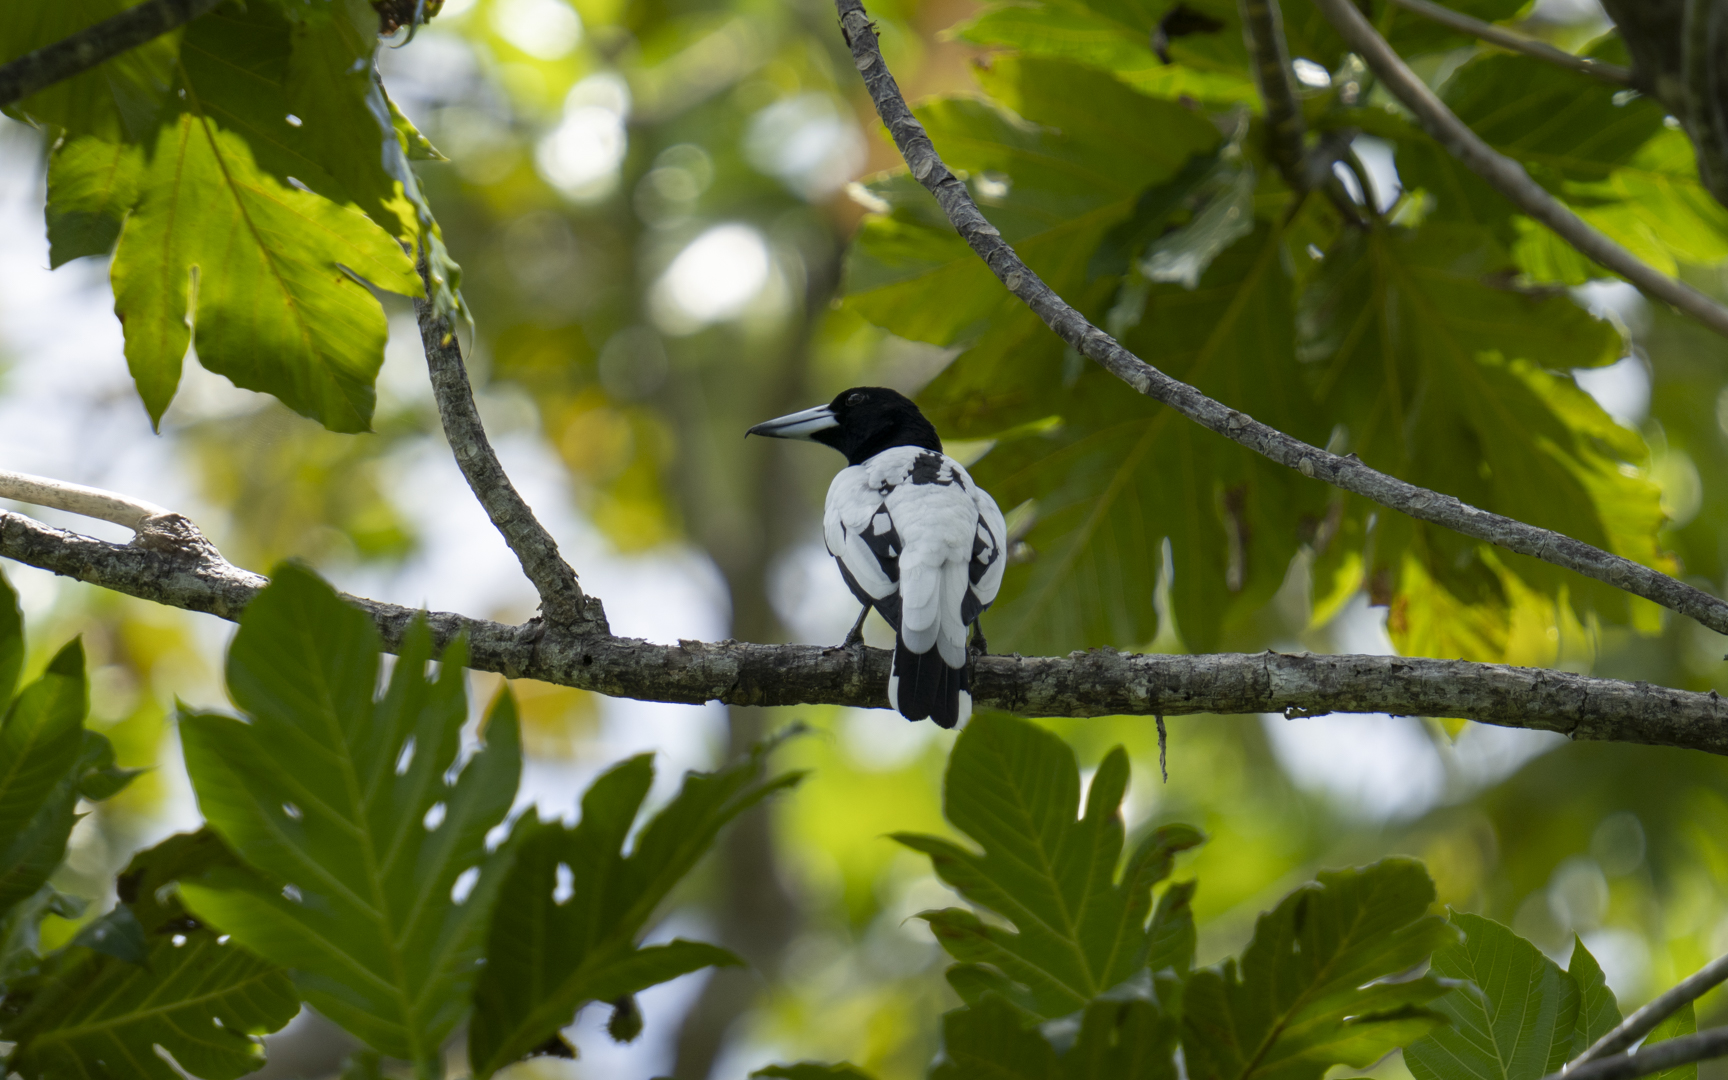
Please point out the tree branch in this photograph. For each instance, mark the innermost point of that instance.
(1511, 40)
(1263, 29)
(1102, 682)
(1644, 1021)
(1509, 177)
(1348, 473)
(562, 602)
(84, 50)
(1664, 1055)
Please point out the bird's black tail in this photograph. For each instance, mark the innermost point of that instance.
(922, 686)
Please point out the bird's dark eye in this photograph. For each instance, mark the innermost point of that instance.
(855, 399)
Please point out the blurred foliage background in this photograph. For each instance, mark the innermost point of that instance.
(652, 202)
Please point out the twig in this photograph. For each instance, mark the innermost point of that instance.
(1348, 473)
(1263, 31)
(1163, 764)
(1653, 1059)
(1513, 41)
(562, 602)
(1101, 682)
(1507, 175)
(77, 499)
(1644, 1021)
(84, 50)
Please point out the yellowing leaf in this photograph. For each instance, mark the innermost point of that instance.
(276, 307)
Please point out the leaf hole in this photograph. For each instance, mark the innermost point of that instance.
(178, 940)
(216, 1021)
(292, 811)
(464, 884)
(292, 892)
(293, 121)
(434, 817)
(405, 758)
(566, 887)
(222, 940)
(296, 183)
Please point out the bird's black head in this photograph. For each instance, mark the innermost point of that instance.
(860, 423)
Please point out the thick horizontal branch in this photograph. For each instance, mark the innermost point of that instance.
(1348, 472)
(1097, 683)
(84, 50)
(1509, 177)
(1512, 41)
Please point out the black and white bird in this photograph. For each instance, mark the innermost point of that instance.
(915, 538)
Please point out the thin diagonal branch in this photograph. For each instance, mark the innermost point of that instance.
(194, 576)
(1513, 41)
(84, 50)
(562, 602)
(1654, 1059)
(1509, 177)
(1644, 1021)
(1348, 473)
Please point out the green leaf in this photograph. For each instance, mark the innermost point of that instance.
(11, 642)
(354, 867)
(1598, 1012)
(1450, 377)
(21, 930)
(1172, 933)
(1117, 476)
(1125, 1034)
(1308, 992)
(91, 185)
(42, 740)
(1015, 788)
(991, 1039)
(1682, 1022)
(203, 1001)
(117, 99)
(810, 1070)
(1515, 1022)
(547, 958)
(224, 198)
(1561, 124)
(117, 934)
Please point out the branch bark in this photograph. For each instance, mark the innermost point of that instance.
(1512, 41)
(1348, 473)
(1506, 175)
(1645, 1020)
(84, 50)
(562, 602)
(1101, 682)
(1263, 27)
(1664, 1055)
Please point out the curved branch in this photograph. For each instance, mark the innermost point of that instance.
(1644, 1021)
(562, 602)
(1654, 1059)
(1348, 473)
(84, 50)
(77, 499)
(1512, 41)
(1097, 683)
(1509, 177)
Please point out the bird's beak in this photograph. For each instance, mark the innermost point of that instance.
(798, 425)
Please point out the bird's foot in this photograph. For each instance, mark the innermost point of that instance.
(978, 647)
(854, 636)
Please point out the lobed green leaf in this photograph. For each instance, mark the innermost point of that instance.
(354, 840)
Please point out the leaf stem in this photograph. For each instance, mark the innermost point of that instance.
(1513, 41)
(1508, 176)
(1644, 1021)
(77, 499)
(1348, 473)
(89, 47)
